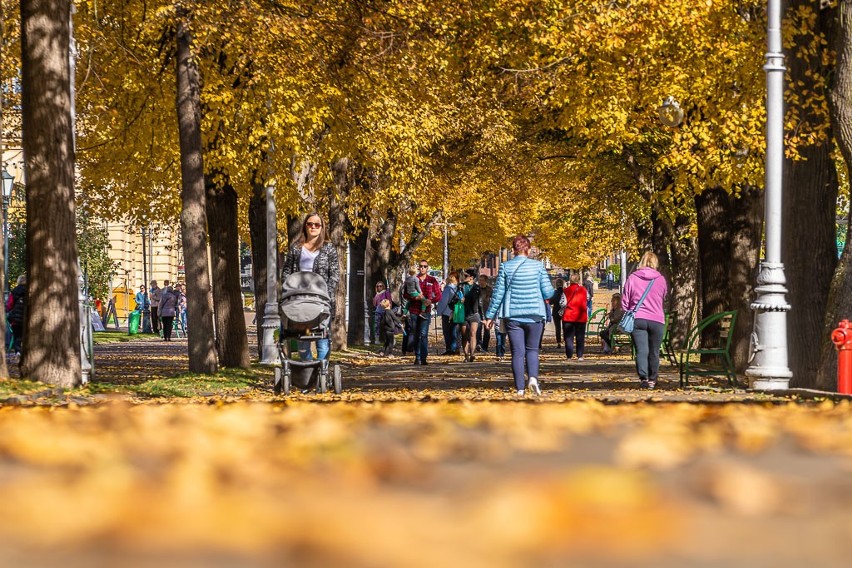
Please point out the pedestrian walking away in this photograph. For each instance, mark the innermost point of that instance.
(313, 253)
(470, 292)
(650, 318)
(557, 310)
(449, 329)
(519, 299)
(168, 309)
(392, 325)
(16, 312)
(574, 317)
(420, 311)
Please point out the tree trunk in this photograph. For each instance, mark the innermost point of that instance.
(839, 305)
(232, 342)
(52, 322)
(684, 259)
(357, 288)
(202, 355)
(809, 251)
(336, 230)
(257, 235)
(714, 254)
(746, 226)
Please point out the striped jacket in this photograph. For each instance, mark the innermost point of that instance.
(529, 287)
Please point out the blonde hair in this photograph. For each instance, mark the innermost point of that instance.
(412, 271)
(575, 278)
(385, 303)
(649, 260)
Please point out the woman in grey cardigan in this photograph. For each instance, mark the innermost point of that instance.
(312, 253)
(520, 291)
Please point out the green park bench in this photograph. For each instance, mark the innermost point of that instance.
(597, 323)
(719, 350)
(666, 349)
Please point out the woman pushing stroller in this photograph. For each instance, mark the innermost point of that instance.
(313, 253)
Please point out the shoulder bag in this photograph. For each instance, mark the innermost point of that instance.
(629, 317)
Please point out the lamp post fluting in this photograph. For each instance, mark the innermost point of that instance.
(271, 319)
(8, 184)
(768, 368)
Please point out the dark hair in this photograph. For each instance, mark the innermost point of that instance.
(521, 244)
(322, 235)
(470, 272)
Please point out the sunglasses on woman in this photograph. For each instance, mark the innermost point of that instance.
(311, 225)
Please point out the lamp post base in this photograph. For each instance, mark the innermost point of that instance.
(768, 369)
(268, 348)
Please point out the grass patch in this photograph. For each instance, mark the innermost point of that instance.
(104, 337)
(13, 387)
(188, 385)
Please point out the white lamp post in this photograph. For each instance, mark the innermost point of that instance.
(768, 369)
(271, 319)
(8, 183)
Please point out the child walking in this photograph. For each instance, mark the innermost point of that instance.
(391, 325)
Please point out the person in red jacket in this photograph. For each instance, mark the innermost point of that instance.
(420, 311)
(574, 317)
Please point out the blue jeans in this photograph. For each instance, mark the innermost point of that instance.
(500, 340)
(419, 336)
(647, 337)
(323, 348)
(524, 339)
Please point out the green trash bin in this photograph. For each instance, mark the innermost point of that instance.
(133, 321)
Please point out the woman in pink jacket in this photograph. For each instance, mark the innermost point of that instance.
(650, 322)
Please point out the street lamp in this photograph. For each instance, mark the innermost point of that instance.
(768, 368)
(8, 184)
(446, 224)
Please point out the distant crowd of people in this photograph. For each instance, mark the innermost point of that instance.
(167, 306)
(516, 306)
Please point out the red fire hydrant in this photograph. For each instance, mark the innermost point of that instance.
(842, 338)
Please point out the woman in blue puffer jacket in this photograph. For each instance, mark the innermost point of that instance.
(519, 294)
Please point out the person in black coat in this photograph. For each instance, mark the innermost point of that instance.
(16, 311)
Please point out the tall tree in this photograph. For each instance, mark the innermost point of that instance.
(51, 344)
(840, 296)
(193, 221)
(809, 251)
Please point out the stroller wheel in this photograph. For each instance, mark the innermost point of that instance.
(282, 381)
(338, 380)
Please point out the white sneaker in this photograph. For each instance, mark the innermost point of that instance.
(520, 393)
(534, 386)
(580, 359)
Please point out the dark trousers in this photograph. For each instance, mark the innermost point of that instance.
(390, 341)
(647, 337)
(570, 330)
(17, 335)
(450, 331)
(557, 326)
(500, 340)
(155, 321)
(523, 341)
(168, 324)
(483, 338)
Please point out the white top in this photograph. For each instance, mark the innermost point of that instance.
(306, 260)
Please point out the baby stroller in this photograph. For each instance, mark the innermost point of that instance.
(305, 310)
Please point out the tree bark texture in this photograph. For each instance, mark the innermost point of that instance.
(729, 232)
(193, 222)
(839, 304)
(684, 263)
(257, 235)
(232, 341)
(358, 310)
(52, 322)
(336, 233)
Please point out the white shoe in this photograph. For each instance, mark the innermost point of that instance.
(520, 393)
(534, 386)
(580, 359)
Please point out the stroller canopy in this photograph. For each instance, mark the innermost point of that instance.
(304, 300)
